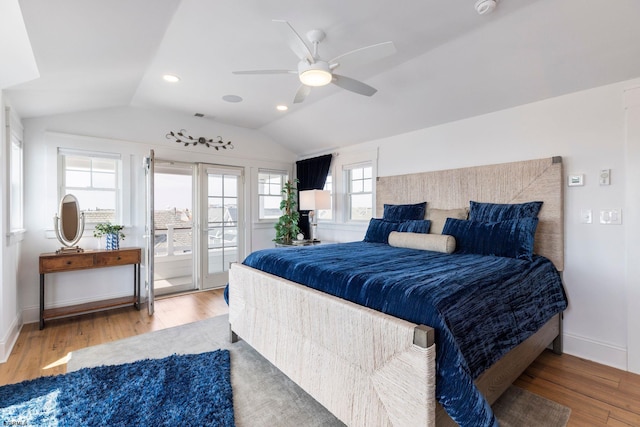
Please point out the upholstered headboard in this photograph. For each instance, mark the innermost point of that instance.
(516, 182)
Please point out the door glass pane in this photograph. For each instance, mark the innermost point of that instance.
(174, 237)
(222, 222)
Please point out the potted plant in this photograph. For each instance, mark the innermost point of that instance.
(287, 226)
(112, 232)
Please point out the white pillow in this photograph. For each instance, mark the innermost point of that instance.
(426, 242)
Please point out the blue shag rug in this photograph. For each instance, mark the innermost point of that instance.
(179, 390)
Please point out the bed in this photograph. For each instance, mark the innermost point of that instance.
(359, 354)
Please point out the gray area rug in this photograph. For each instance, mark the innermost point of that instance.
(263, 396)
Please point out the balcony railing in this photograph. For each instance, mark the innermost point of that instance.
(173, 240)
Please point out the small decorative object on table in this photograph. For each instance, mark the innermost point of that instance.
(112, 232)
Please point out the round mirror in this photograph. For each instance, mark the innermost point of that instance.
(69, 223)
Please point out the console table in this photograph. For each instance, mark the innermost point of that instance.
(89, 259)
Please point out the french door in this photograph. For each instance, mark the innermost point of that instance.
(149, 230)
(174, 244)
(221, 225)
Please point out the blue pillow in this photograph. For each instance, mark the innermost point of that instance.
(404, 212)
(494, 212)
(415, 226)
(379, 230)
(511, 238)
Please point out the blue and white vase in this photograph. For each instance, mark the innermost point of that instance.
(113, 242)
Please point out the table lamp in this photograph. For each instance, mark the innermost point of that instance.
(313, 200)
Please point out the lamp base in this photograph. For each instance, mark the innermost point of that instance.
(313, 231)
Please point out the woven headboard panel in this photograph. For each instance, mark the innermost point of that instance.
(515, 182)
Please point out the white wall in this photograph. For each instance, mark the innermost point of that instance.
(10, 321)
(632, 103)
(588, 130)
(131, 132)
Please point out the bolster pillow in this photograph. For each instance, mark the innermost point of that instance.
(426, 242)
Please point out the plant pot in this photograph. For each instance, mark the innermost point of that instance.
(113, 242)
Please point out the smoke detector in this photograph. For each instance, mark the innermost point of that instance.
(485, 6)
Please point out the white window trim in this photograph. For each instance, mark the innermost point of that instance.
(339, 162)
(95, 154)
(257, 218)
(55, 141)
(346, 185)
(14, 134)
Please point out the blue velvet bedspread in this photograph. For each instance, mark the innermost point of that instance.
(480, 306)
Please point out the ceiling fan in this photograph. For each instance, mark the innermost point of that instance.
(313, 71)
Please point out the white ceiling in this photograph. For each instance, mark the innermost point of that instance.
(451, 62)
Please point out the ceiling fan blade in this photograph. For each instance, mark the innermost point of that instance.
(353, 85)
(266, 72)
(302, 93)
(364, 55)
(296, 43)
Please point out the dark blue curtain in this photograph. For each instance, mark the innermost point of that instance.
(312, 174)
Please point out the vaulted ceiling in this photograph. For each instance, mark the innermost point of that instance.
(451, 62)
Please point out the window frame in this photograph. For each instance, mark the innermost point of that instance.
(15, 169)
(284, 177)
(63, 189)
(347, 171)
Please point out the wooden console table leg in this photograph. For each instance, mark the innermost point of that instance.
(136, 285)
(41, 301)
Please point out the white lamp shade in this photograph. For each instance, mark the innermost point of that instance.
(313, 200)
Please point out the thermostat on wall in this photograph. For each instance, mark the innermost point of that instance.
(576, 180)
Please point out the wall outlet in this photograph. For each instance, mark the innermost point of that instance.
(611, 216)
(585, 216)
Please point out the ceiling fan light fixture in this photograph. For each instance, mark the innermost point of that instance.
(316, 74)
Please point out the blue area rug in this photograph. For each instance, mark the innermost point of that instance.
(179, 390)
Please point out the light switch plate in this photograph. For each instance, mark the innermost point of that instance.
(585, 216)
(605, 177)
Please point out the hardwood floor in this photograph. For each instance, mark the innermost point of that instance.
(597, 395)
(42, 352)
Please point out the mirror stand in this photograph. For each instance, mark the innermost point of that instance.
(69, 250)
(69, 225)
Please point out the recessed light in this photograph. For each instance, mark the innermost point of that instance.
(282, 107)
(232, 98)
(485, 6)
(171, 78)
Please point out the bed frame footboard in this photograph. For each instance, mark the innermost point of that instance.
(364, 366)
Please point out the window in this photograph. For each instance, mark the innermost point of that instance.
(327, 214)
(95, 179)
(15, 183)
(270, 185)
(359, 192)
